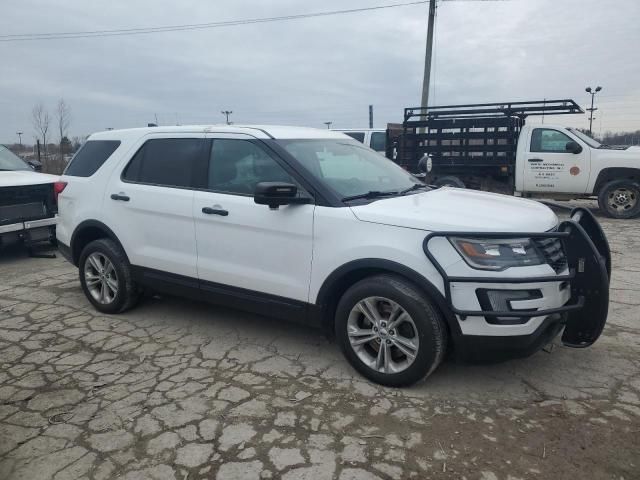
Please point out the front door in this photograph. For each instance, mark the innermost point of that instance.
(549, 167)
(246, 249)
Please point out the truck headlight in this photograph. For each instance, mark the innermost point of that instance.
(497, 254)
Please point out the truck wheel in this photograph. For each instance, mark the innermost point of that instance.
(105, 276)
(389, 331)
(449, 182)
(620, 199)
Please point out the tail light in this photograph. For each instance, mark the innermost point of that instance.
(58, 188)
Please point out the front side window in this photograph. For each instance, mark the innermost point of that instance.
(171, 162)
(237, 166)
(10, 161)
(348, 168)
(379, 141)
(546, 140)
(91, 157)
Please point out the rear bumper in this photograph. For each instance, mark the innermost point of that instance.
(29, 231)
(578, 298)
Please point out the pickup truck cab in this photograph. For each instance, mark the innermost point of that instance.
(312, 226)
(27, 202)
(374, 138)
(559, 161)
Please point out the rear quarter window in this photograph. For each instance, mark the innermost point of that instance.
(90, 157)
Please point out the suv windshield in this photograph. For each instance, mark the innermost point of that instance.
(350, 169)
(10, 161)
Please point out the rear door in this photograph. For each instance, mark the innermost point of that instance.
(244, 248)
(149, 203)
(549, 167)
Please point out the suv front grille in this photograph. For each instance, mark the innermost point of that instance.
(553, 251)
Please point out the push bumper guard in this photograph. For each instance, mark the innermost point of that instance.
(589, 262)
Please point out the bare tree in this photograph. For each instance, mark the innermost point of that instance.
(41, 120)
(63, 115)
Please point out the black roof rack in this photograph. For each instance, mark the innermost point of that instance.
(421, 115)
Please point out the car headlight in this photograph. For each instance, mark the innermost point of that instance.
(497, 254)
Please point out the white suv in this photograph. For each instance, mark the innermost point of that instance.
(312, 226)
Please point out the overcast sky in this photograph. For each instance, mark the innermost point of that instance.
(307, 72)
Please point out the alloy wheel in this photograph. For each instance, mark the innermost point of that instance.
(101, 278)
(383, 335)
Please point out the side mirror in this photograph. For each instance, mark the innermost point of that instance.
(573, 147)
(275, 194)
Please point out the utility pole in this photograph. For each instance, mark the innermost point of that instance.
(328, 124)
(592, 109)
(370, 116)
(428, 54)
(19, 137)
(226, 113)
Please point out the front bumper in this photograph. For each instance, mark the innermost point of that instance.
(587, 276)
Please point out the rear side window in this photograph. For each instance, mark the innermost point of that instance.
(379, 141)
(90, 157)
(357, 135)
(171, 162)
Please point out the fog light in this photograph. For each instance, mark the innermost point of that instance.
(500, 301)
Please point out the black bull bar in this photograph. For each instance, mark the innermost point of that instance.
(589, 261)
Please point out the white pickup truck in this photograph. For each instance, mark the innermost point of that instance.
(491, 147)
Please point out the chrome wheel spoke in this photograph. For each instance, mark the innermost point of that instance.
(369, 310)
(95, 263)
(405, 347)
(112, 284)
(382, 360)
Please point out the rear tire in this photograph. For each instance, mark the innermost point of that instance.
(105, 276)
(449, 181)
(620, 199)
(414, 338)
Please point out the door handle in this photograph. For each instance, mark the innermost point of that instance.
(122, 198)
(533, 160)
(215, 211)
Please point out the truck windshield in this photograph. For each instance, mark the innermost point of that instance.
(585, 138)
(349, 168)
(10, 161)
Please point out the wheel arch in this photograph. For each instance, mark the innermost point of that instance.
(346, 275)
(86, 232)
(606, 175)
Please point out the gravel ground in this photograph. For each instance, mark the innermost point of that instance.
(176, 389)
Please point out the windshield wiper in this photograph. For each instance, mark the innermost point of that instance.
(370, 194)
(416, 186)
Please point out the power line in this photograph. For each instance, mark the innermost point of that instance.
(195, 26)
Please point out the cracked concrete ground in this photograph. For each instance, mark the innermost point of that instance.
(176, 390)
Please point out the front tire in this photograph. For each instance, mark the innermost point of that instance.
(620, 199)
(389, 331)
(105, 277)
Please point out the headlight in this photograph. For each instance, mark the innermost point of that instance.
(497, 254)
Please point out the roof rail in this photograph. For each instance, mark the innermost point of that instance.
(486, 110)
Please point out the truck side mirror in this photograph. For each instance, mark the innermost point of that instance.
(573, 147)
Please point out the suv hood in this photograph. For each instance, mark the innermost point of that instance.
(18, 178)
(455, 209)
